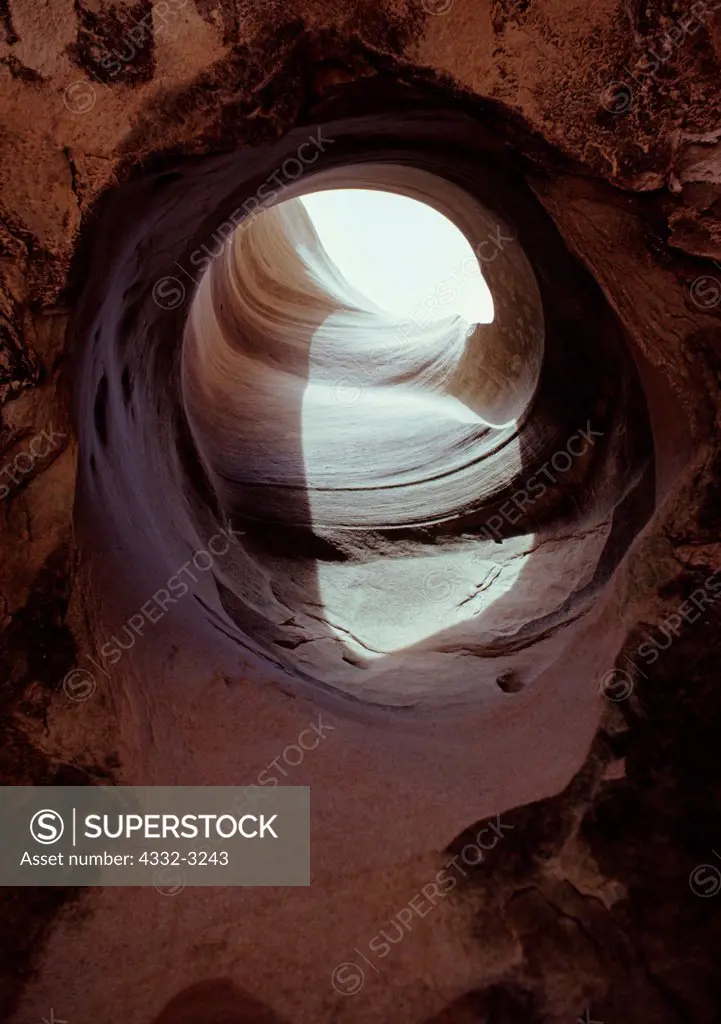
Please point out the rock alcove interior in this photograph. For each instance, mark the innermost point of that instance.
(424, 508)
(450, 586)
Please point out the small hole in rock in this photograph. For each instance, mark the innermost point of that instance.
(510, 682)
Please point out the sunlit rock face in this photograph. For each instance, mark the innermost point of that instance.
(389, 407)
(317, 407)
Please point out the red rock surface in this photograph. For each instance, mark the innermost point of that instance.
(593, 901)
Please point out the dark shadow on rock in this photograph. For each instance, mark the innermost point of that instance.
(216, 1001)
(498, 1004)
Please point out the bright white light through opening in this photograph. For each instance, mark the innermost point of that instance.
(402, 254)
(378, 413)
(413, 262)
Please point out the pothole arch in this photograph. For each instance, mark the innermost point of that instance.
(463, 552)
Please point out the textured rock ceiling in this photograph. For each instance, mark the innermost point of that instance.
(578, 704)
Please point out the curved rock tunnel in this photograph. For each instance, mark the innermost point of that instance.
(476, 566)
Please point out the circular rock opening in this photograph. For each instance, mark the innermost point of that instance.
(423, 500)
